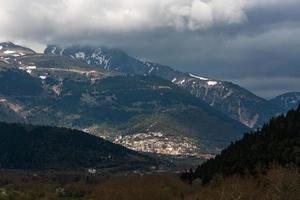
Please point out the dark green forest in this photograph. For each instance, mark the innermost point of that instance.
(277, 142)
(44, 148)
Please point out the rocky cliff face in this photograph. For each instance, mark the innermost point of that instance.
(229, 98)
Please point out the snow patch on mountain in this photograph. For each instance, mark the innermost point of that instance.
(9, 52)
(43, 77)
(228, 94)
(198, 77)
(80, 55)
(99, 58)
(212, 83)
(53, 50)
(148, 64)
(152, 68)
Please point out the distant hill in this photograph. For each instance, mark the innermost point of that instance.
(277, 142)
(287, 101)
(39, 148)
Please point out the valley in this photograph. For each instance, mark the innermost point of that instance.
(61, 91)
(265, 167)
(143, 106)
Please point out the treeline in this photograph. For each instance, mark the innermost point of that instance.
(277, 142)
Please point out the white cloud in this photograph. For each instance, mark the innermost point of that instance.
(48, 21)
(118, 15)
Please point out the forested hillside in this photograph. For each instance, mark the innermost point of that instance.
(278, 142)
(37, 147)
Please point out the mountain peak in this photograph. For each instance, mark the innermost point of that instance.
(106, 58)
(9, 49)
(7, 44)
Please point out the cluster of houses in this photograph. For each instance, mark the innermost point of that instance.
(157, 142)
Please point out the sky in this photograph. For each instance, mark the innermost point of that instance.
(254, 43)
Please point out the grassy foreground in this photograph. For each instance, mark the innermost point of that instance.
(278, 183)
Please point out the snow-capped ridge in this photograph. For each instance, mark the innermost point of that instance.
(9, 50)
(209, 82)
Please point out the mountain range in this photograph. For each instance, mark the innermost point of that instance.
(229, 98)
(141, 105)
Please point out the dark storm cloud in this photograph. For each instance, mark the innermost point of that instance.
(254, 43)
(267, 86)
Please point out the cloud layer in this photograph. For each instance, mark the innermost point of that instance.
(234, 39)
(120, 15)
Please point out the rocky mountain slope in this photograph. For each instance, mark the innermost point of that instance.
(63, 91)
(234, 101)
(231, 99)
